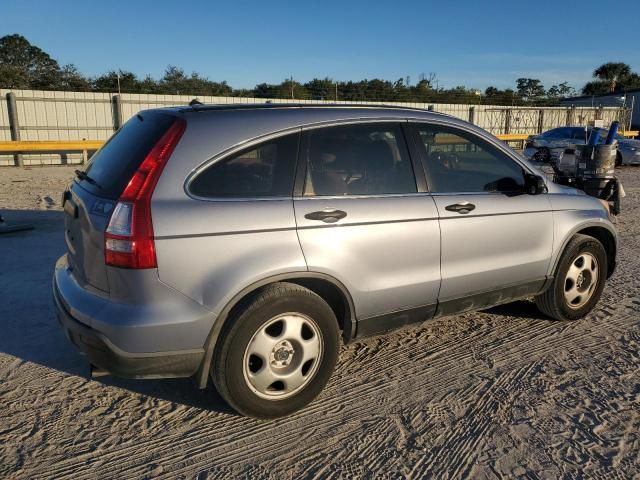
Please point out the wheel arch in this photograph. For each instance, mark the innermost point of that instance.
(608, 241)
(601, 232)
(330, 289)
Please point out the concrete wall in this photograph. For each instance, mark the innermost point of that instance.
(46, 115)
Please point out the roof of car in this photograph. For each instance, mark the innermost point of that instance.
(328, 111)
(282, 116)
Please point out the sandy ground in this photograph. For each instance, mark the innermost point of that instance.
(498, 394)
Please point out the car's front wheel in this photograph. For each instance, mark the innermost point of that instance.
(277, 352)
(578, 282)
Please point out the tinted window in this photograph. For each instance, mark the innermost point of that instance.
(358, 160)
(579, 134)
(461, 162)
(114, 164)
(263, 171)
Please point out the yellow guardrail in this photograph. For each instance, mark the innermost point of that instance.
(28, 146)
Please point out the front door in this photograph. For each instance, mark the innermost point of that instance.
(495, 237)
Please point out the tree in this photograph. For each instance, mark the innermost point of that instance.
(321, 89)
(23, 65)
(174, 80)
(291, 89)
(109, 82)
(72, 79)
(612, 73)
(422, 91)
(612, 77)
(149, 85)
(561, 90)
(529, 88)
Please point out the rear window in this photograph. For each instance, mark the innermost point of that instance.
(113, 165)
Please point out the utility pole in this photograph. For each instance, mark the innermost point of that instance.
(292, 97)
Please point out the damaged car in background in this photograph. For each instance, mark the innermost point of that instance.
(558, 146)
(585, 158)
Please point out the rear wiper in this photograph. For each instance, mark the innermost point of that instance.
(82, 175)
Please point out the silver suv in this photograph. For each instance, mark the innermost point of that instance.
(244, 242)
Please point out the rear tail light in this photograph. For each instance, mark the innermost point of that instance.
(128, 240)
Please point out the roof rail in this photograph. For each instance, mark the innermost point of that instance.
(268, 105)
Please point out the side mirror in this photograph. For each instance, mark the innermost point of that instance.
(534, 184)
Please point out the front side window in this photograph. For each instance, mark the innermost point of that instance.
(461, 162)
(357, 160)
(266, 170)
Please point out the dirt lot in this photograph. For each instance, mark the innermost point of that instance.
(502, 393)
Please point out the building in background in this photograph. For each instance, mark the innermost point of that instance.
(630, 99)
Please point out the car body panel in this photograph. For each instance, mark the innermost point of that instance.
(219, 255)
(84, 236)
(386, 250)
(150, 317)
(492, 256)
(574, 212)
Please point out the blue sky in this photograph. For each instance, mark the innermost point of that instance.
(464, 42)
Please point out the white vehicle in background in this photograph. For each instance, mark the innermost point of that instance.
(554, 145)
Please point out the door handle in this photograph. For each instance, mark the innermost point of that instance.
(328, 215)
(461, 207)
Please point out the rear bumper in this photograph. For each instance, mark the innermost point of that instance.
(103, 353)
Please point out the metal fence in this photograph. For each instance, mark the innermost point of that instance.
(49, 115)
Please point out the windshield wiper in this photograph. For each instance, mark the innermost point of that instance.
(82, 175)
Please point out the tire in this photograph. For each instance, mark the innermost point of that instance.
(271, 336)
(618, 159)
(582, 288)
(543, 155)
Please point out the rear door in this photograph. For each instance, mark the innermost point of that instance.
(91, 197)
(494, 236)
(364, 218)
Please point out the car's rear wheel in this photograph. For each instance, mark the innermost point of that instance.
(618, 159)
(578, 282)
(277, 352)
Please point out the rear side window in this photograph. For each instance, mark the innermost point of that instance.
(115, 163)
(358, 160)
(266, 170)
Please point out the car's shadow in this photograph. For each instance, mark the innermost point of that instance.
(30, 330)
(525, 309)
